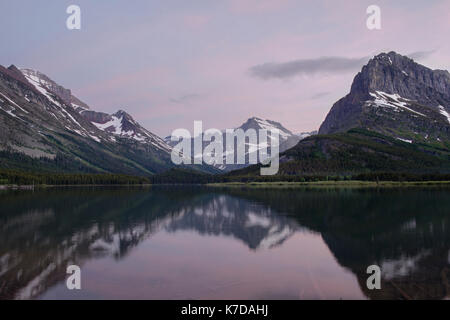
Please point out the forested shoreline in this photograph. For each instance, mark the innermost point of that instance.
(15, 177)
(185, 176)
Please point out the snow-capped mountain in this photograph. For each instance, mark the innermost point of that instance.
(117, 125)
(395, 96)
(48, 88)
(287, 140)
(122, 125)
(258, 123)
(41, 119)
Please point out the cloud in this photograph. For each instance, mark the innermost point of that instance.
(307, 67)
(327, 65)
(419, 55)
(319, 95)
(185, 98)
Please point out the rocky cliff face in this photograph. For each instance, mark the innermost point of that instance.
(396, 96)
(40, 80)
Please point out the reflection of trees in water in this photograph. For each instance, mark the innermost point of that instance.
(406, 232)
(43, 232)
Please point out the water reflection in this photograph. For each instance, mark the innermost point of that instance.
(203, 232)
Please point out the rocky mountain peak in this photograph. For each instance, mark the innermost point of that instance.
(127, 122)
(14, 70)
(48, 88)
(258, 123)
(39, 79)
(396, 96)
(393, 73)
(42, 119)
(123, 114)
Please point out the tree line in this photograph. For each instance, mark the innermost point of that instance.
(29, 178)
(185, 176)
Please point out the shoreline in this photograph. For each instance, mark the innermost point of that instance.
(43, 186)
(280, 184)
(324, 184)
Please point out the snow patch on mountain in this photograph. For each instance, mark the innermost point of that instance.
(113, 126)
(78, 108)
(405, 140)
(444, 113)
(13, 103)
(394, 101)
(39, 83)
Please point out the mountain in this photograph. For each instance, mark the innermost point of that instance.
(303, 135)
(355, 152)
(122, 125)
(287, 140)
(47, 87)
(398, 97)
(43, 126)
(395, 119)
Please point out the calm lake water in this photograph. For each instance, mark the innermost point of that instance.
(210, 243)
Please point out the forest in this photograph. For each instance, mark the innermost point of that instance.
(16, 177)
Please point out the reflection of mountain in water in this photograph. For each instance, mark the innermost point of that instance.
(256, 225)
(406, 232)
(43, 232)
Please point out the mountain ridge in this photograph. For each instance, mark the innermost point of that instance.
(45, 121)
(287, 139)
(397, 111)
(395, 96)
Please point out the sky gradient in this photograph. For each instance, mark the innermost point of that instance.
(169, 62)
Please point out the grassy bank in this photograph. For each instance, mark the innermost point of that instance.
(322, 184)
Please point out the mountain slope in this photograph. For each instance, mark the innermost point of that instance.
(398, 97)
(354, 152)
(122, 125)
(43, 120)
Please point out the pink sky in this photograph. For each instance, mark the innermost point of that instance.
(170, 63)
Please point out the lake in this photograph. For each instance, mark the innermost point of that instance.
(225, 243)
